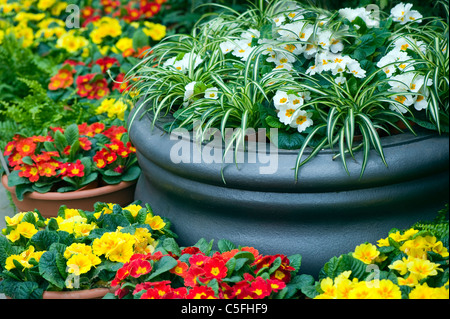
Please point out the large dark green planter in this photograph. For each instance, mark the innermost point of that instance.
(325, 214)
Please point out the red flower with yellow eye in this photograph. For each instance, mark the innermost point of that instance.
(30, 171)
(110, 157)
(85, 144)
(215, 268)
(139, 267)
(26, 146)
(106, 63)
(62, 80)
(72, 169)
(260, 288)
(15, 159)
(115, 146)
(99, 160)
(192, 276)
(9, 148)
(115, 132)
(201, 292)
(180, 269)
(47, 169)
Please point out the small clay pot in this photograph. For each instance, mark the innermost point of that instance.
(49, 203)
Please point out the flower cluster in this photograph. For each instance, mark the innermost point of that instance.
(300, 69)
(68, 159)
(89, 58)
(83, 244)
(411, 265)
(190, 273)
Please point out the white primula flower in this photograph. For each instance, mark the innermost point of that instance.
(314, 69)
(212, 93)
(395, 60)
(251, 34)
(298, 30)
(227, 47)
(280, 99)
(279, 20)
(189, 92)
(365, 15)
(243, 49)
(387, 64)
(355, 68)
(281, 58)
(179, 65)
(421, 100)
(268, 46)
(295, 100)
(192, 57)
(405, 99)
(402, 13)
(405, 43)
(340, 80)
(286, 114)
(339, 63)
(324, 39)
(301, 120)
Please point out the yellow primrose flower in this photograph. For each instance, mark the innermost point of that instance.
(71, 212)
(425, 292)
(26, 16)
(400, 265)
(386, 289)
(116, 246)
(26, 229)
(383, 242)
(77, 248)
(408, 234)
(155, 31)
(2, 35)
(133, 209)
(410, 281)
(360, 291)
(9, 263)
(343, 285)
(439, 248)
(82, 229)
(71, 42)
(143, 239)
(105, 210)
(58, 7)
(13, 236)
(69, 223)
(9, 7)
(155, 222)
(124, 44)
(328, 288)
(422, 268)
(22, 31)
(79, 264)
(366, 253)
(15, 220)
(104, 27)
(45, 4)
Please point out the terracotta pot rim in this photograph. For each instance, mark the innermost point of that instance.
(94, 293)
(87, 193)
